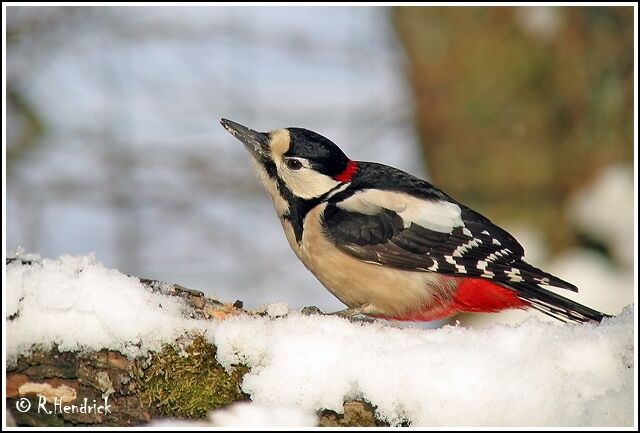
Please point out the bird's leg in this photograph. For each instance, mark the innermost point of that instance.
(358, 314)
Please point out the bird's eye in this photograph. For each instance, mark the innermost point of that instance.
(293, 164)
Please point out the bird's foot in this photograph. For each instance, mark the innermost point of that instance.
(358, 314)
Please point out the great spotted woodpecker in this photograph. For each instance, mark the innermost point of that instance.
(390, 245)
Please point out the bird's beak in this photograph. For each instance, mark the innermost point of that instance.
(256, 142)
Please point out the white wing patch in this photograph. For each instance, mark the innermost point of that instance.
(440, 216)
(461, 269)
(514, 275)
(459, 251)
(361, 202)
(482, 265)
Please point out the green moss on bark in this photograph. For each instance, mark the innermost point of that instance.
(188, 382)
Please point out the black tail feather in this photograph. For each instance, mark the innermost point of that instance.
(555, 305)
(539, 276)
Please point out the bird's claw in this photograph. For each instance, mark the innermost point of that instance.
(355, 315)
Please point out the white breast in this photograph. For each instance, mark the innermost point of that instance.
(392, 292)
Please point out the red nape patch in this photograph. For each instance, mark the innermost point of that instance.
(483, 296)
(348, 173)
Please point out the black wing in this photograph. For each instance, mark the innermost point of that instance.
(475, 248)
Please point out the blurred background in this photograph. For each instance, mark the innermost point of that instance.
(113, 144)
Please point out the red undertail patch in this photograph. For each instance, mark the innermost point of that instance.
(472, 295)
(348, 173)
(484, 296)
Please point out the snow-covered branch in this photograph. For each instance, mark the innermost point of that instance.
(76, 330)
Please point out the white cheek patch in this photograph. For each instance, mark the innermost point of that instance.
(439, 216)
(306, 183)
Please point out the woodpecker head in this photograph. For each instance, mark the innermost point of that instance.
(294, 162)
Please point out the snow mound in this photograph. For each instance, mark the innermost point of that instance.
(533, 374)
(246, 415)
(276, 309)
(77, 303)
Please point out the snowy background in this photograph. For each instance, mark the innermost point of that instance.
(132, 164)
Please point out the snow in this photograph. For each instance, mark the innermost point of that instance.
(246, 415)
(534, 374)
(276, 309)
(78, 303)
(253, 415)
(531, 374)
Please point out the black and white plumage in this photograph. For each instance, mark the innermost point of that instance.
(392, 245)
